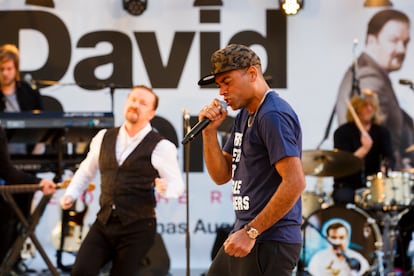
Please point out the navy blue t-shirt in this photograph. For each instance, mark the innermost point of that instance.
(275, 133)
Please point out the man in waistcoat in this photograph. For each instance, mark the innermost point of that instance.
(132, 159)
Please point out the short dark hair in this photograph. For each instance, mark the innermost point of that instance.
(377, 22)
(334, 226)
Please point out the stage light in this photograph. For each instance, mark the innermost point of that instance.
(377, 3)
(290, 7)
(43, 3)
(135, 7)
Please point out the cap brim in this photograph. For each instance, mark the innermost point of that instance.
(209, 79)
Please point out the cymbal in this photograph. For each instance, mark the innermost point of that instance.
(46, 82)
(408, 170)
(410, 148)
(330, 163)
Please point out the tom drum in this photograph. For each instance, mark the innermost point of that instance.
(387, 193)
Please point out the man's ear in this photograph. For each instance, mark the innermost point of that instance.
(252, 72)
(371, 39)
(152, 114)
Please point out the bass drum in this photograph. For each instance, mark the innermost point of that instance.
(365, 236)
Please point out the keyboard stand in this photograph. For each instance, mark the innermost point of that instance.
(27, 231)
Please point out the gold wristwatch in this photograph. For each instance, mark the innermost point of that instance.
(251, 231)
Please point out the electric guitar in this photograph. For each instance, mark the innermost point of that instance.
(69, 232)
(73, 232)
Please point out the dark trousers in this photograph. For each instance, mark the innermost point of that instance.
(268, 258)
(124, 245)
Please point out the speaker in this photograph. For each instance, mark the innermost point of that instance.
(157, 261)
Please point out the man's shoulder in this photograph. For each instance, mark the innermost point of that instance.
(368, 64)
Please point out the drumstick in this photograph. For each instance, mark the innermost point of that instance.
(355, 116)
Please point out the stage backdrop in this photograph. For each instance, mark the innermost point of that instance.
(94, 50)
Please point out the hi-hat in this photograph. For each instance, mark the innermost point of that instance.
(330, 163)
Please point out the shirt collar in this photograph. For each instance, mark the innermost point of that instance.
(140, 135)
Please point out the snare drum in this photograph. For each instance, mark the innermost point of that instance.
(387, 193)
(365, 236)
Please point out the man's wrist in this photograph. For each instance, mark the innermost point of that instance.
(252, 232)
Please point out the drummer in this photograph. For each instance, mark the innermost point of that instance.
(362, 135)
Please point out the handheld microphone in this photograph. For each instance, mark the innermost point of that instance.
(406, 82)
(354, 48)
(353, 263)
(28, 78)
(196, 130)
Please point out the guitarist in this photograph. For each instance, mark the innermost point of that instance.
(10, 175)
(132, 160)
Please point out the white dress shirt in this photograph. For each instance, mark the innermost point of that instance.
(163, 158)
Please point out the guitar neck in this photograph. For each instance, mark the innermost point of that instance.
(31, 188)
(28, 188)
(20, 188)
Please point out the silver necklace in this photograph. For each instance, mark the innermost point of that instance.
(252, 117)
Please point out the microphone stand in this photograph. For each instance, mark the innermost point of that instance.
(187, 129)
(112, 86)
(355, 81)
(355, 89)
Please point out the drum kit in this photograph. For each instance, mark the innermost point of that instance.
(373, 218)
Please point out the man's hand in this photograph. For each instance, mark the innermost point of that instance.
(214, 112)
(366, 144)
(48, 186)
(366, 140)
(66, 202)
(161, 185)
(238, 244)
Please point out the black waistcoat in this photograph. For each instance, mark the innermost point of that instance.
(127, 190)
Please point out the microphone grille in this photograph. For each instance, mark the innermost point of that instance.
(223, 104)
(28, 78)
